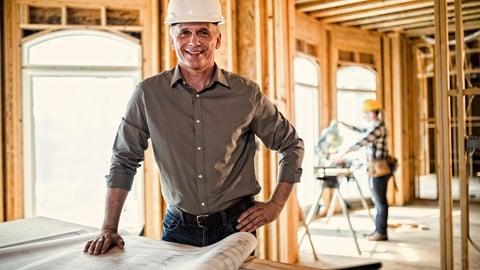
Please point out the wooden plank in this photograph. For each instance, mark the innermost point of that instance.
(461, 133)
(374, 8)
(309, 6)
(154, 204)
(2, 187)
(226, 55)
(13, 148)
(86, 3)
(388, 96)
(247, 49)
(443, 167)
(13, 115)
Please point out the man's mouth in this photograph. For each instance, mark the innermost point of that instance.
(194, 52)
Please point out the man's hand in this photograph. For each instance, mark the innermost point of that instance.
(264, 213)
(102, 243)
(258, 215)
(109, 236)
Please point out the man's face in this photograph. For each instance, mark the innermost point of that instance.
(370, 116)
(195, 44)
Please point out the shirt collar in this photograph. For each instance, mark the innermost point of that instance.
(218, 76)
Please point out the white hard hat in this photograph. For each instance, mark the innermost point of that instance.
(181, 11)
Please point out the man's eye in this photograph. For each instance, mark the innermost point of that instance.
(204, 33)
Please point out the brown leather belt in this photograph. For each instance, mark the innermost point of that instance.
(216, 218)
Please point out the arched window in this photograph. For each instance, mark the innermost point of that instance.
(82, 48)
(356, 78)
(354, 85)
(76, 84)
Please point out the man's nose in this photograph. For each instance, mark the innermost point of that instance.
(194, 39)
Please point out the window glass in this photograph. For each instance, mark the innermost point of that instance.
(306, 123)
(75, 123)
(356, 77)
(354, 85)
(305, 72)
(70, 120)
(81, 48)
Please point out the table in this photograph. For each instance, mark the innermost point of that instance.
(45, 243)
(329, 175)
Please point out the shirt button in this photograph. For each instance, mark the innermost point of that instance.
(198, 121)
(203, 204)
(200, 176)
(199, 148)
(197, 95)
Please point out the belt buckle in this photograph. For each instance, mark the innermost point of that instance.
(199, 219)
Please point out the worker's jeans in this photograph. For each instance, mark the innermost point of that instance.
(379, 190)
(175, 229)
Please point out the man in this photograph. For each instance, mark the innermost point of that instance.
(375, 139)
(202, 122)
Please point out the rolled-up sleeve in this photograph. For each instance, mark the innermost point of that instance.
(278, 134)
(130, 144)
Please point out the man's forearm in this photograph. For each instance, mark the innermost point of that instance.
(281, 193)
(113, 208)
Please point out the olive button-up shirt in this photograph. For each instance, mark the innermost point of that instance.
(203, 143)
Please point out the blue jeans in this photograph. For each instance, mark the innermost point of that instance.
(176, 229)
(379, 191)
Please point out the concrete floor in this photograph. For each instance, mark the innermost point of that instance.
(414, 238)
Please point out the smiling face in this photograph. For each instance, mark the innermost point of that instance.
(195, 44)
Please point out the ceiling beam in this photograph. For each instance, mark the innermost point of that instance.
(430, 30)
(398, 22)
(408, 23)
(308, 6)
(368, 9)
(404, 15)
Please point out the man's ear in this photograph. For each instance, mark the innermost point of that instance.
(219, 41)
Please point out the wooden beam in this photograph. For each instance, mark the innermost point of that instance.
(324, 4)
(426, 29)
(405, 15)
(442, 135)
(13, 150)
(461, 132)
(368, 10)
(154, 205)
(472, 15)
(2, 106)
(389, 17)
(397, 22)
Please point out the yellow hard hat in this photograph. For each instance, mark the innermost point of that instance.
(371, 105)
(184, 11)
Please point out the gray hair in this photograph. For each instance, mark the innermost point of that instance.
(173, 25)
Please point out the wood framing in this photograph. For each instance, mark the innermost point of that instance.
(461, 132)
(398, 97)
(42, 17)
(2, 187)
(442, 136)
(260, 39)
(12, 118)
(271, 69)
(312, 42)
(389, 56)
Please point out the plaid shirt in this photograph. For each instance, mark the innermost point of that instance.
(375, 138)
